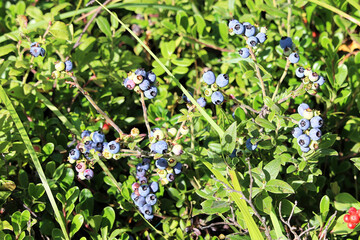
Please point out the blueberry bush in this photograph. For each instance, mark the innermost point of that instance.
(179, 119)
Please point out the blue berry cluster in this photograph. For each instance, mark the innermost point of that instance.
(142, 81)
(36, 50)
(249, 31)
(308, 133)
(311, 80)
(143, 193)
(213, 85)
(289, 48)
(62, 67)
(92, 143)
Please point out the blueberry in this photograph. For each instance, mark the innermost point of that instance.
(261, 37)
(320, 81)
(252, 41)
(250, 30)
(304, 124)
(286, 42)
(316, 122)
(294, 58)
(233, 154)
(140, 71)
(314, 77)
(177, 168)
(151, 199)
(170, 177)
(34, 44)
(97, 137)
(151, 92)
(209, 77)
(148, 217)
(161, 147)
(35, 51)
(201, 101)
(129, 84)
(88, 174)
(303, 140)
(114, 147)
(147, 209)
(88, 145)
(305, 149)
(80, 167)
(42, 52)
(300, 72)
(232, 23)
(144, 190)
(140, 172)
(315, 134)
(244, 52)
(296, 132)
(144, 166)
(74, 154)
(139, 201)
(186, 99)
(143, 180)
(133, 196)
(301, 108)
(151, 77)
(68, 65)
(238, 29)
(249, 145)
(217, 98)
(98, 146)
(161, 163)
(154, 186)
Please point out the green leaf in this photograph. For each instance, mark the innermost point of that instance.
(278, 186)
(200, 24)
(264, 202)
(104, 26)
(341, 74)
(214, 207)
(264, 123)
(273, 168)
(48, 148)
(108, 219)
(36, 191)
(34, 12)
(60, 30)
(268, 102)
(356, 162)
(228, 141)
(327, 140)
(24, 219)
(224, 31)
(324, 206)
(15, 222)
(76, 224)
(343, 201)
(4, 50)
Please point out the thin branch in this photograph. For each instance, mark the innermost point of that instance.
(208, 45)
(292, 94)
(287, 223)
(242, 105)
(258, 72)
(323, 233)
(282, 78)
(92, 102)
(98, 10)
(145, 113)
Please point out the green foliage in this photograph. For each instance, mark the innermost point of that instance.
(41, 119)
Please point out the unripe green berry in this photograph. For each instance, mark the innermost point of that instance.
(184, 130)
(55, 74)
(214, 87)
(172, 132)
(308, 114)
(159, 135)
(208, 92)
(177, 149)
(60, 66)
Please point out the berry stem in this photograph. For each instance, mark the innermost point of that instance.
(242, 105)
(258, 72)
(92, 102)
(282, 78)
(177, 137)
(28, 70)
(145, 113)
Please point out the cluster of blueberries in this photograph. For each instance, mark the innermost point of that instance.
(142, 81)
(311, 80)
(60, 67)
(92, 143)
(214, 83)
(36, 50)
(248, 30)
(289, 48)
(308, 132)
(166, 169)
(143, 193)
(249, 146)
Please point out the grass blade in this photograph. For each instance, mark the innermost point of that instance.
(5, 99)
(336, 10)
(241, 203)
(201, 110)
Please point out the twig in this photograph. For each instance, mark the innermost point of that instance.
(208, 45)
(145, 113)
(288, 221)
(116, 127)
(242, 105)
(291, 94)
(177, 137)
(218, 223)
(258, 72)
(98, 10)
(281, 79)
(323, 233)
